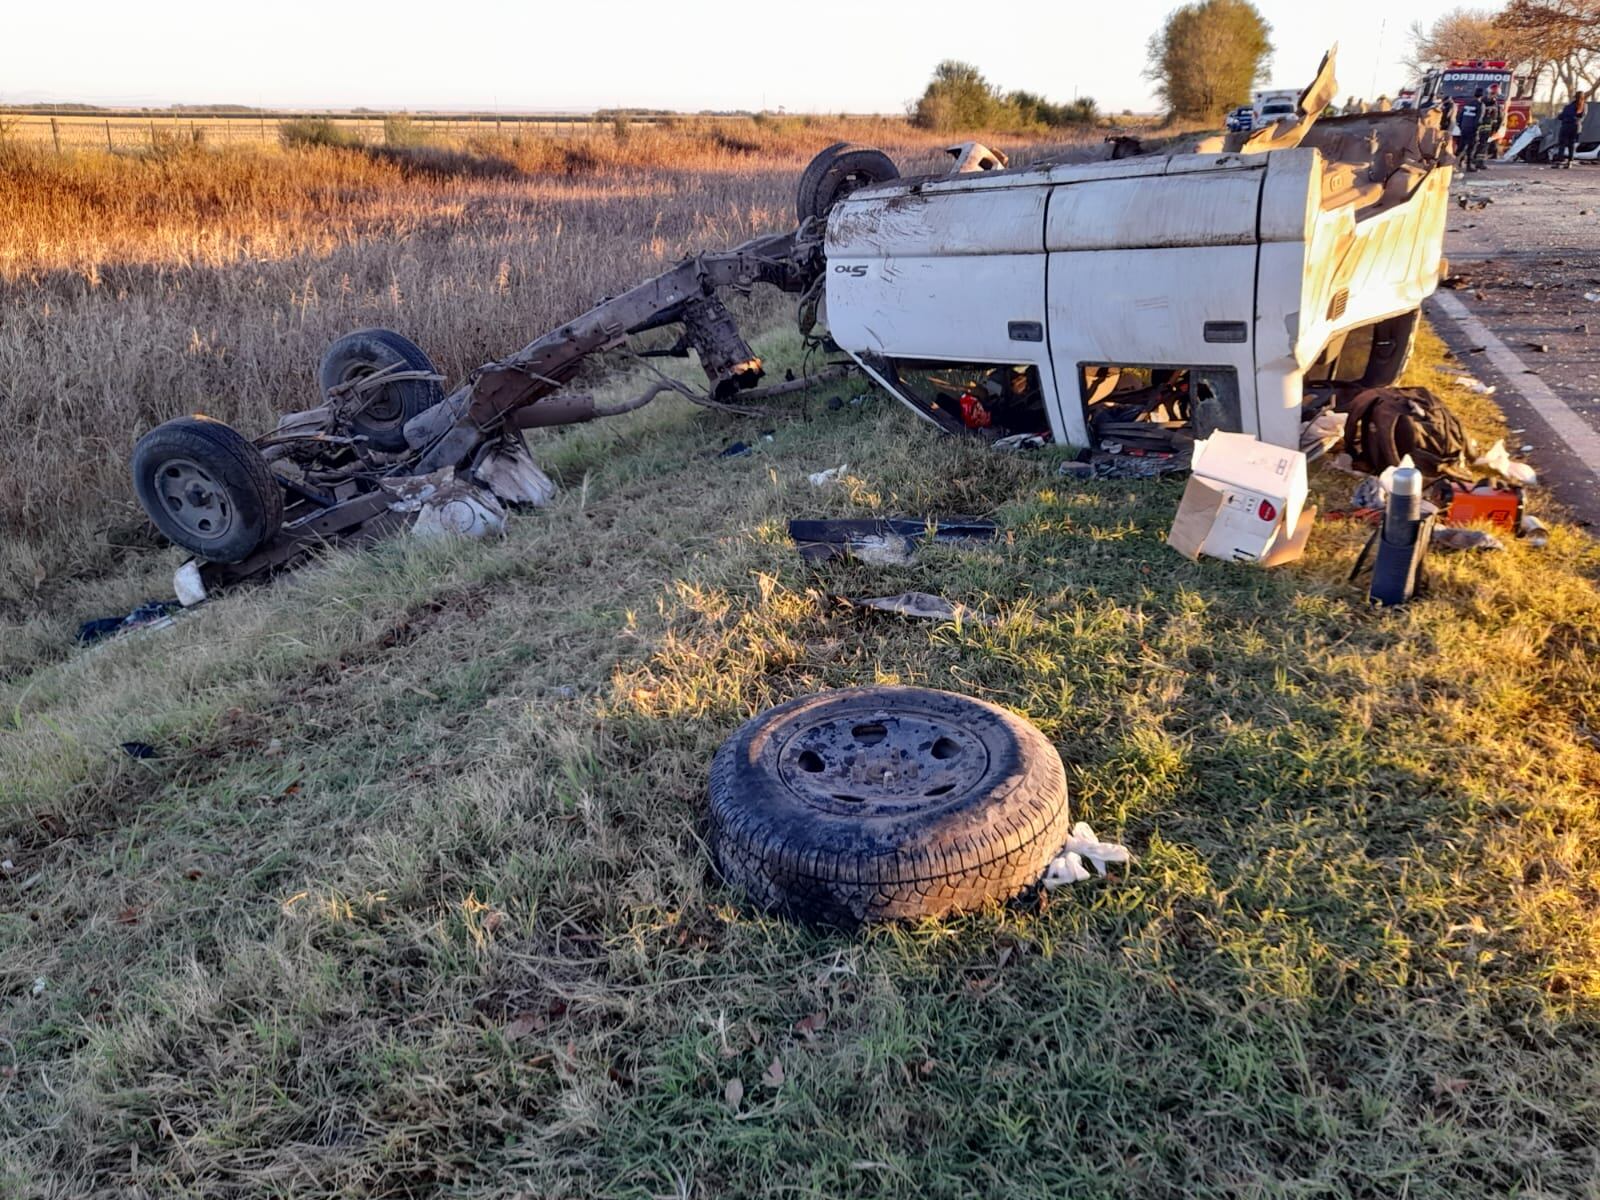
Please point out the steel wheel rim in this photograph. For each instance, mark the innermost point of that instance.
(382, 408)
(850, 183)
(193, 500)
(880, 761)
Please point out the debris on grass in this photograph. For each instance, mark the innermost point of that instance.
(1245, 502)
(187, 584)
(1453, 537)
(1497, 503)
(1067, 867)
(153, 614)
(884, 541)
(1399, 545)
(831, 475)
(1133, 465)
(1322, 433)
(1016, 442)
(923, 606)
(1499, 460)
(1388, 426)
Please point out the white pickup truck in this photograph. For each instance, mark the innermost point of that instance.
(1167, 294)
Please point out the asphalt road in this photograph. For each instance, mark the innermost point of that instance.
(1522, 322)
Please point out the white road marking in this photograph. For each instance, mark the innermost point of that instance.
(1580, 437)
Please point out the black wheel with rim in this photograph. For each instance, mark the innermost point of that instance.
(384, 412)
(885, 802)
(836, 172)
(808, 177)
(1392, 343)
(207, 488)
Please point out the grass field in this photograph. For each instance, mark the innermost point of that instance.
(412, 900)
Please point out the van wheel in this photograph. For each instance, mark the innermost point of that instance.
(366, 352)
(879, 803)
(836, 172)
(1392, 343)
(208, 488)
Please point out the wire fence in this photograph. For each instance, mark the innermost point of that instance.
(126, 131)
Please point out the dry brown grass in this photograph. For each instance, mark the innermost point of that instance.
(138, 288)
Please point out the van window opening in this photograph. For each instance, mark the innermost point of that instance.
(1157, 409)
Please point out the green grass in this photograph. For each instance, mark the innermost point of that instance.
(414, 901)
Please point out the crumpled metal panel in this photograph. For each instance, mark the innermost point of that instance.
(511, 474)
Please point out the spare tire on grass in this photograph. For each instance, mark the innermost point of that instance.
(879, 803)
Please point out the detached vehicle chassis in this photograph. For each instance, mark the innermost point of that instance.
(387, 439)
(245, 508)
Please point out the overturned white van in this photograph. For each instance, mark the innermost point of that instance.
(1153, 298)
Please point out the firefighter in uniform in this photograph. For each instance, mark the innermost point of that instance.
(1467, 114)
(1489, 122)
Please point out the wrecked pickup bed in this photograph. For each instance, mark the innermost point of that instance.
(1147, 299)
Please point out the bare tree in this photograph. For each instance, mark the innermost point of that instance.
(1459, 33)
(1565, 34)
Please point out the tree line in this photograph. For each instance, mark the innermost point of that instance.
(1204, 60)
(959, 97)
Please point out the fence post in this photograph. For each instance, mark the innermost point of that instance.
(152, 133)
(108, 135)
(55, 134)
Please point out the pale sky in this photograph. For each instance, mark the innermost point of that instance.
(810, 56)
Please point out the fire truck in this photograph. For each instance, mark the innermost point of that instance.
(1459, 78)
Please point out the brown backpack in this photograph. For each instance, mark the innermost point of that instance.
(1383, 425)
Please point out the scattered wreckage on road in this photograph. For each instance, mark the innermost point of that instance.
(1144, 300)
(1540, 142)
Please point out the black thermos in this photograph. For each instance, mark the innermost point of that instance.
(1402, 542)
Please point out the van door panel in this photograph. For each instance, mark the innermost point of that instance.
(1149, 308)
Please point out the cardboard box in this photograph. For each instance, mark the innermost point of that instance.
(1246, 502)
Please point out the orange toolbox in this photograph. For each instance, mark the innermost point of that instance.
(1495, 503)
